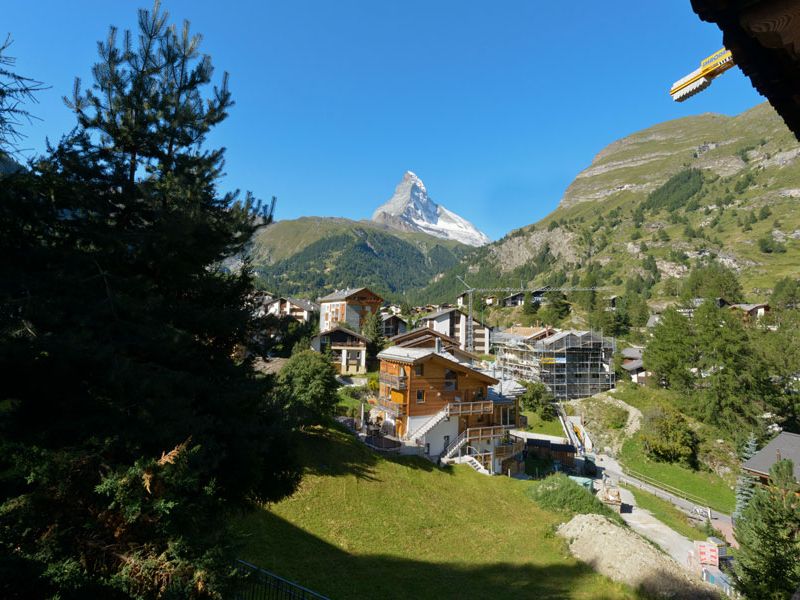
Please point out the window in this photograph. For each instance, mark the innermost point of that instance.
(420, 396)
(419, 370)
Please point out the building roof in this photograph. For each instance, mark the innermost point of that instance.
(653, 320)
(420, 332)
(438, 313)
(387, 317)
(763, 38)
(304, 304)
(785, 445)
(634, 365)
(632, 353)
(342, 329)
(527, 332)
(340, 295)
(418, 355)
(749, 307)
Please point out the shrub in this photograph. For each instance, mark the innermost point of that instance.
(560, 494)
(667, 437)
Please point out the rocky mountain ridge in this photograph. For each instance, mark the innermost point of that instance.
(411, 209)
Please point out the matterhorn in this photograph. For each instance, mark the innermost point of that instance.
(411, 209)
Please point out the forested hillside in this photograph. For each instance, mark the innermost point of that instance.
(709, 188)
(312, 256)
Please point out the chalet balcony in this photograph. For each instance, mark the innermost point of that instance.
(386, 404)
(396, 382)
(488, 433)
(484, 407)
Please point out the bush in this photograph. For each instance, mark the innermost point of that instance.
(560, 494)
(308, 386)
(667, 437)
(768, 245)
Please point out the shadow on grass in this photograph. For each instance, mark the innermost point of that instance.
(332, 450)
(278, 546)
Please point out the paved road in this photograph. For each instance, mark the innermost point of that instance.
(613, 469)
(645, 524)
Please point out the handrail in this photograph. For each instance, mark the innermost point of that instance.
(265, 584)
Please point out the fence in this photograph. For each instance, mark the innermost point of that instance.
(258, 584)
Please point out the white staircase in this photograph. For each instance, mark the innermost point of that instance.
(472, 462)
(454, 446)
(431, 423)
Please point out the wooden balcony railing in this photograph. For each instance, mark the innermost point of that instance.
(488, 433)
(396, 382)
(483, 407)
(394, 408)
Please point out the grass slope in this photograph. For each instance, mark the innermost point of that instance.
(364, 526)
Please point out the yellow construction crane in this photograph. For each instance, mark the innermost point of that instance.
(699, 79)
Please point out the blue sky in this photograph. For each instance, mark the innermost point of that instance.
(495, 105)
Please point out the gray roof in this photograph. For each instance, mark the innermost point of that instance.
(634, 365)
(340, 328)
(387, 317)
(405, 354)
(304, 304)
(633, 353)
(749, 307)
(438, 313)
(340, 294)
(653, 320)
(786, 444)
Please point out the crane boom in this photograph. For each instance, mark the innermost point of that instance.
(699, 79)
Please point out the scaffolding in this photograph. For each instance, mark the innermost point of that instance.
(572, 364)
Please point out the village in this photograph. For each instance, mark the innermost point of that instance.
(449, 389)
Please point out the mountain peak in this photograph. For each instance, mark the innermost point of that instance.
(411, 209)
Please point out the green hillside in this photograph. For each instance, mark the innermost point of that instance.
(312, 256)
(364, 526)
(709, 187)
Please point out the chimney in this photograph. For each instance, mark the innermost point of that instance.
(438, 345)
(778, 454)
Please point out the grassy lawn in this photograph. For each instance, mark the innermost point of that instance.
(347, 403)
(709, 487)
(537, 425)
(667, 514)
(365, 526)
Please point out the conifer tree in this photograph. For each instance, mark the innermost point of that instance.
(129, 432)
(745, 483)
(671, 351)
(371, 329)
(768, 532)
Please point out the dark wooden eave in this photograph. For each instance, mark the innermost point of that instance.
(764, 38)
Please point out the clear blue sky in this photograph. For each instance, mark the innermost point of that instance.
(495, 105)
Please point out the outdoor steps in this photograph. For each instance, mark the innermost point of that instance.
(431, 423)
(455, 446)
(472, 462)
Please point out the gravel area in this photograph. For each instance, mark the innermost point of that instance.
(622, 555)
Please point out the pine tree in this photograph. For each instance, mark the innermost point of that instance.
(745, 483)
(671, 352)
(371, 329)
(15, 91)
(129, 432)
(768, 532)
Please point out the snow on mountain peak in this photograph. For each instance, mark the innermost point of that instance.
(411, 209)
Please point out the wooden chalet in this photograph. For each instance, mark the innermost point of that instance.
(424, 337)
(430, 399)
(785, 446)
(392, 325)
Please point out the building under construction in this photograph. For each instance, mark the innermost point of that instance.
(572, 364)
